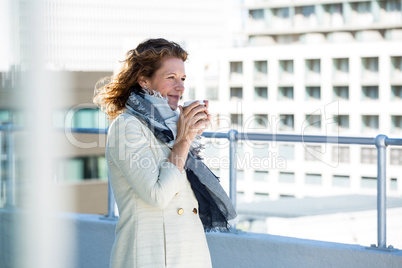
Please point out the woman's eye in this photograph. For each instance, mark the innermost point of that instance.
(183, 79)
(171, 77)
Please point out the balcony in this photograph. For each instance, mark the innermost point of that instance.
(91, 237)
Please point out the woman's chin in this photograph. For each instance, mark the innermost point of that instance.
(173, 106)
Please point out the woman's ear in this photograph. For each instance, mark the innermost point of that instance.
(143, 81)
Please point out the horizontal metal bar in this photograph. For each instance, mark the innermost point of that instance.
(397, 142)
(85, 130)
(218, 135)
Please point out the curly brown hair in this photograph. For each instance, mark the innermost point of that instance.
(111, 93)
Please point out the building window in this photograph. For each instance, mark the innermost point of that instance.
(361, 13)
(260, 175)
(260, 70)
(286, 151)
(396, 157)
(315, 179)
(370, 93)
(240, 197)
(261, 151)
(82, 168)
(80, 118)
(313, 70)
(212, 93)
(305, 16)
(341, 93)
(396, 123)
(313, 153)
(260, 93)
(368, 155)
(340, 181)
(341, 70)
(369, 182)
(313, 122)
(281, 17)
(236, 93)
(285, 93)
(396, 65)
(369, 68)
(340, 154)
(285, 70)
(333, 15)
(261, 121)
(313, 93)
(260, 197)
(236, 120)
(236, 70)
(393, 185)
(256, 14)
(396, 92)
(341, 122)
(286, 122)
(286, 177)
(370, 122)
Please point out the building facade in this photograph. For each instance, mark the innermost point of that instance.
(311, 68)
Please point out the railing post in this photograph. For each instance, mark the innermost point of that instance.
(232, 135)
(381, 191)
(10, 183)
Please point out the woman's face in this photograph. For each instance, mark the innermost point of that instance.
(169, 81)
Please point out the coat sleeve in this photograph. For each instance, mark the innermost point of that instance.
(151, 176)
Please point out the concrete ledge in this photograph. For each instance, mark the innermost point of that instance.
(94, 238)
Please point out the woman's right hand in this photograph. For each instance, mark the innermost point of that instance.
(193, 119)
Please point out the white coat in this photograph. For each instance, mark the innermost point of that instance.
(158, 222)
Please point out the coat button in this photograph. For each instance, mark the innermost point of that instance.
(195, 211)
(180, 211)
(176, 194)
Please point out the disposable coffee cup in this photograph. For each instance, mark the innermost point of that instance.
(187, 103)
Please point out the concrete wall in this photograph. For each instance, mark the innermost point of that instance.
(94, 239)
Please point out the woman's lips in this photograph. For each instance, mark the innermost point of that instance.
(174, 97)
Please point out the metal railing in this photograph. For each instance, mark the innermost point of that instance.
(381, 142)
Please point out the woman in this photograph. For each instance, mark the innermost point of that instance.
(165, 195)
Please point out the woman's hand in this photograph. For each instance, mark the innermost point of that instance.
(193, 120)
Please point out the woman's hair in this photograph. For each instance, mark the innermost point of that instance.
(111, 93)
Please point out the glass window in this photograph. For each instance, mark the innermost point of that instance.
(261, 151)
(260, 175)
(82, 168)
(313, 70)
(259, 197)
(396, 66)
(315, 179)
(261, 121)
(393, 184)
(396, 92)
(341, 122)
(396, 123)
(236, 70)
(285, 93)
(313, 122)
(341, 93)
(368, 155)
(286, 122)
(212, 93)
(396, 157)
(340, 181)
(313, 93)
(236, 120)
(260, 70)
(312, 152)
(286, 177)
(240, 174)
(286, 151)
(285, 70)
(340, 154)
(260, 93)
(370, 122)
(341, 69)
(369, 182)
(370, 92)
(236, 93)
(256, 14)
(369, 68)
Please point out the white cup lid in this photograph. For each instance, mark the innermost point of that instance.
(187, 103)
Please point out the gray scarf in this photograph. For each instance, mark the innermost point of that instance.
(216, 210)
